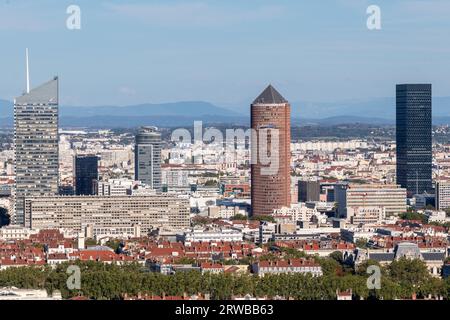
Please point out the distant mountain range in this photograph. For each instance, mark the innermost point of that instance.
(165, 114)
(183, 108)
(377, 107)
(378, 111)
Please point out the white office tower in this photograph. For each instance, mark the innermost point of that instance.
(148, 157)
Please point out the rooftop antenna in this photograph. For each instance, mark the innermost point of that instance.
(28, 72)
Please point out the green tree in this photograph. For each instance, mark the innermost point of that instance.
(337, 256)
(113, 244)
(90, 242)
(238, 217)
(410, 274)
(102, 281)
(263, 218)
(362, 268)
(330, 267)
(201, 221)
(413, 215)
(292, 253)
(210, 183)
(185, 260)
(361, 243)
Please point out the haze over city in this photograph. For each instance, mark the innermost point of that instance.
(223, 52)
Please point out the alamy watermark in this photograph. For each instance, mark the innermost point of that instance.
(374, 280)
(73, 21)
(374, 19)
(74, 280)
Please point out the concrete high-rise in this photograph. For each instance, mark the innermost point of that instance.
(147, 157)
(108, 214)
(413, 133)
(35, 145)
(270, 191)
(369, 196)
(86, 173)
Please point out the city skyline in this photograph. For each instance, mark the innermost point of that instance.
(219, 195)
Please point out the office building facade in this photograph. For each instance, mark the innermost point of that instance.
(442, 195)
(147, 157)
(114, 187)
(100, 212)
(35, 145)
(366, 215)
(86, 173)
(308, 191)
(413, 135)
(391, 197)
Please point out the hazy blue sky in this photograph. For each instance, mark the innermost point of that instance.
(224, 51)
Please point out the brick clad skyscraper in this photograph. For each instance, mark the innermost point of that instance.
(269, 192)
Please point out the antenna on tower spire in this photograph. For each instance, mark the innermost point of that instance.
(28, 72)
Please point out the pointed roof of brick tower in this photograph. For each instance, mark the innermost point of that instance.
(270, 95)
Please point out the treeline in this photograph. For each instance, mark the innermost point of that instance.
(414, 215)
(101, 281)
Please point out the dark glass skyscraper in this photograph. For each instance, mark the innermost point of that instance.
(414, 154)
(147, 157)
(86, 172)
(308, 191)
